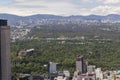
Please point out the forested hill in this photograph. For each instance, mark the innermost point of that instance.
(63, 43)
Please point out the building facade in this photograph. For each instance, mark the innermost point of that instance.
(81, 65)
(52, 67)
(5, 62)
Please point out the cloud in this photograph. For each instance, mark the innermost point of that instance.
(110, 1)
(104, 10)
(29, 7)
(86, 0)
(60, 7)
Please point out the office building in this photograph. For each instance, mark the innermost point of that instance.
(91, 69)
(99, 74)
(52, 67)
(5, 69)
(81, 65)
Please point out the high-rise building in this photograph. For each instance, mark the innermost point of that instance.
(91, 69)
(52, 67)
(5, 62)
(81, 65)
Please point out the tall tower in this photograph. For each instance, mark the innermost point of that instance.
(5, 62)
(81, 65)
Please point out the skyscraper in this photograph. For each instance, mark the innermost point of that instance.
(81, 65)
(5, 62)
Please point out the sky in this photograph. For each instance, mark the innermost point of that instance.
(60, 7)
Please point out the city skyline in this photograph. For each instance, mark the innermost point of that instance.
(62, 7)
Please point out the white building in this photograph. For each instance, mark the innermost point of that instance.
(66, 73)
(60, 78)
(99, 74)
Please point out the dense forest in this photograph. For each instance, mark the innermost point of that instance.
(100, 48)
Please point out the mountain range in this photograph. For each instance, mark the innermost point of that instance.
(14, 19)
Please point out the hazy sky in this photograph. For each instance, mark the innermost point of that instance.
(60, 7)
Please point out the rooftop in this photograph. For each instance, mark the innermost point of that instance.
(3, 22)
